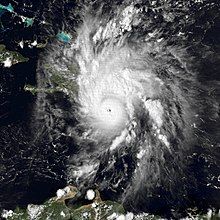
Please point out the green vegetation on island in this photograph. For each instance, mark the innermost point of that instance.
(9, 58)
(94, 209)
(55, 209)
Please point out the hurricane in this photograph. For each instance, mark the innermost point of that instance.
(131, 107)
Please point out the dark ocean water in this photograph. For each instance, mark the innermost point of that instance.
(31, 168)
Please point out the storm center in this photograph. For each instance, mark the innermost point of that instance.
(111, 113)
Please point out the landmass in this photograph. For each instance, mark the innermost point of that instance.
(9, 58)
(92, 208)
